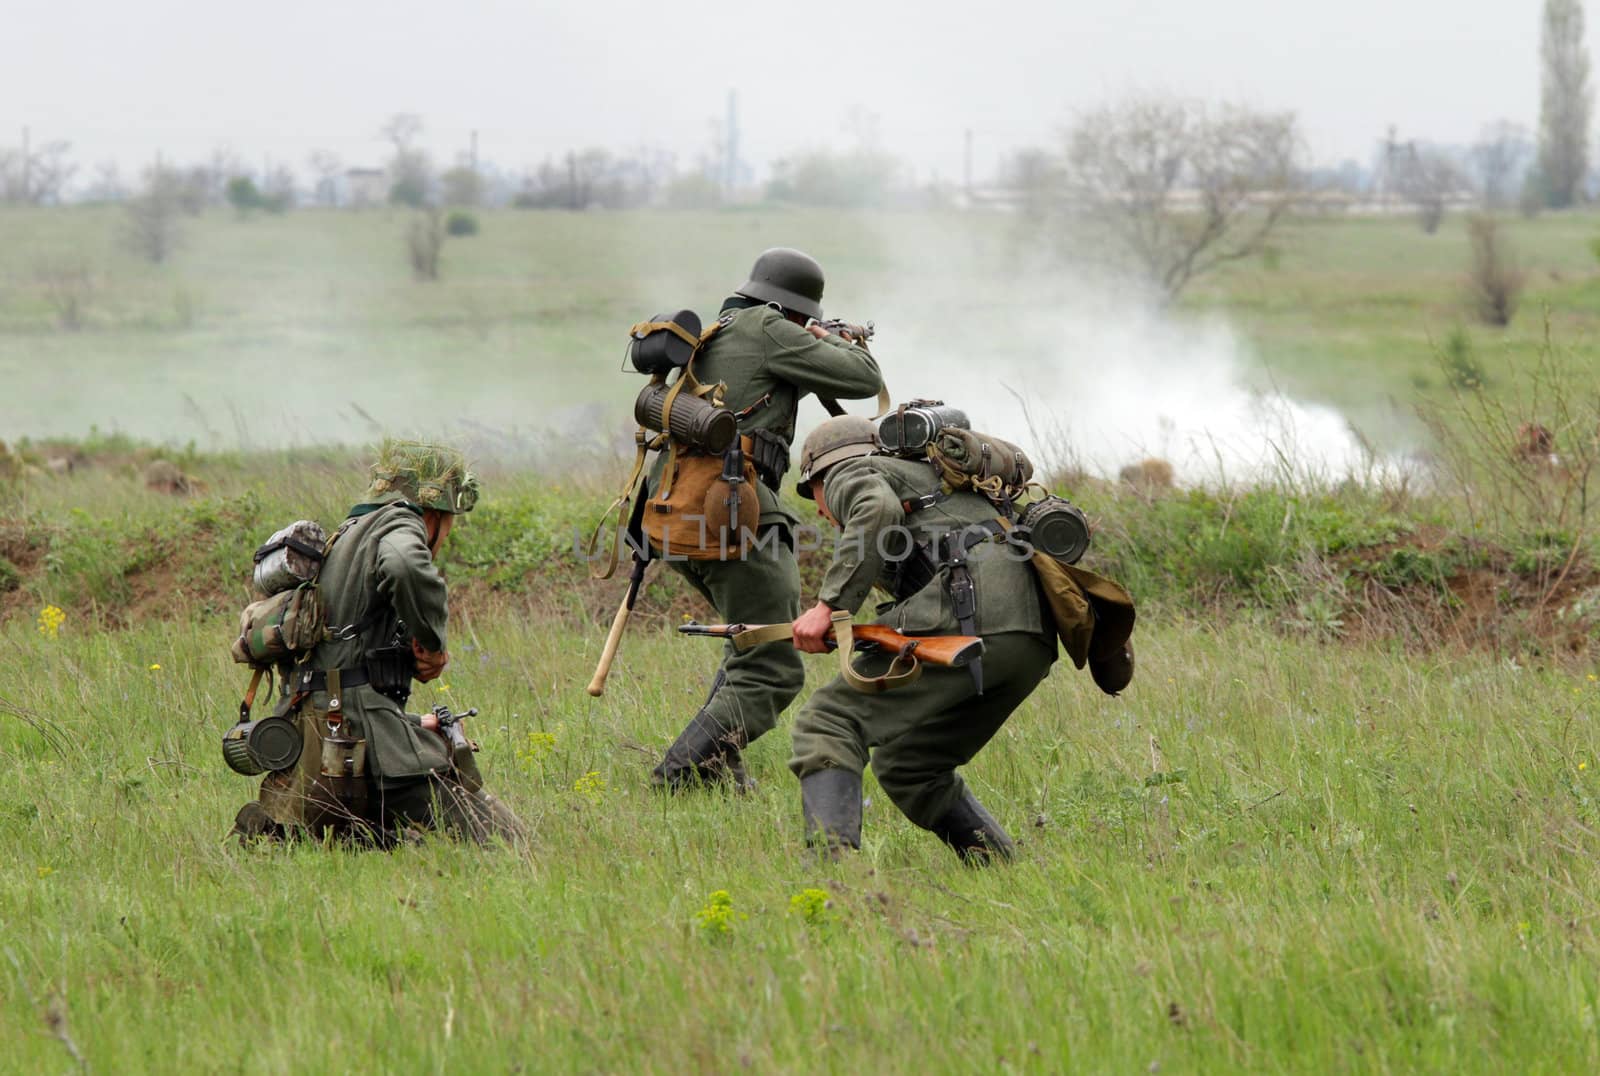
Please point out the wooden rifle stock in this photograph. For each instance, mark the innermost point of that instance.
(619, 623)
(953, 651)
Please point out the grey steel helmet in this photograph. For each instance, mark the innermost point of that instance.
(788, 277)
(836, 440)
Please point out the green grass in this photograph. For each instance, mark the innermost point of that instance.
(1275, 853)
(1263, 857)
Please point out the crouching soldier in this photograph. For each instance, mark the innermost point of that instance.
(366, 767)
(891, 510)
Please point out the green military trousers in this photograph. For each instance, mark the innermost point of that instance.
(920, 733)
(448, 804)
(751, 689)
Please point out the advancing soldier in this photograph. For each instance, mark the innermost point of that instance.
(368, 767)
(769, 360)
(921, 732)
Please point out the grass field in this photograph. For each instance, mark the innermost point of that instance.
(1309, 838)
(1262, 859)
(525, 330)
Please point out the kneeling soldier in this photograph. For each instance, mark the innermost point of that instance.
(891, 511)
(367, 767)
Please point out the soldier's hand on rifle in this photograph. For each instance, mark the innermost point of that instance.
(812, 628)
(430, 663)
(817, 330)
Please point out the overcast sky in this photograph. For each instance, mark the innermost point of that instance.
(124, 78)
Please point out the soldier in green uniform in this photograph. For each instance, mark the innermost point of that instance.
(385, 605)
(889, 510)
(769, 360)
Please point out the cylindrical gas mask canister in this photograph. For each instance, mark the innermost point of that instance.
(267, 745)
(1056, 527)
(694, 422)
(911, 428)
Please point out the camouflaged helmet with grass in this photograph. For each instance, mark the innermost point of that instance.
(424, 474)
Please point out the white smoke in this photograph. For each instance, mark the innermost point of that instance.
(1098, 377)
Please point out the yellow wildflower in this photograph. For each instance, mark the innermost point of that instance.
(156, 667)
(716, 919)
(45, 872)
(813, 906)
(591, 786)
(538, 745)
(51, 618)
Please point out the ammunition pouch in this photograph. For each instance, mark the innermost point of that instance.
(924, 561)
(769, 453)
(390, 670)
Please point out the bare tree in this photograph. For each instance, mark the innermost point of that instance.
(401, 130)
(35, 175)
(1566, 103)
(153, 228)
(1498, 161)
(1495, 281)
(410, 170)
(1182, 187)
(424, 240)
(327, 167)
(1425, 176)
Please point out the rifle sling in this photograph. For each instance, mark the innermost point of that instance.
(905, 668)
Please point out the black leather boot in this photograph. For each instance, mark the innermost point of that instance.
(703, 754)
(253, 822)
(974, 834)
(830, 801)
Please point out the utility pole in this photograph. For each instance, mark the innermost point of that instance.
(27, 166)
(966, 167)
(472, 155)
(730, 146)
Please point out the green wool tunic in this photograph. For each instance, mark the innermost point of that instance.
(761, 355)
(917, 735)
(380, 574)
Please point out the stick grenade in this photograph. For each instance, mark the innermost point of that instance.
(619, 623)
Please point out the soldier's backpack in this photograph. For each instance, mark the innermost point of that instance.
(706, 506)
(1093, 616)
(286, 620)
(967, 459)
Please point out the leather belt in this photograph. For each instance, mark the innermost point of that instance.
(317, 679)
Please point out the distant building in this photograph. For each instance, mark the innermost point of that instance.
(365, 187)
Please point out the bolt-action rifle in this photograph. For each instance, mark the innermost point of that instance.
(448, 725)
(859, 334)
(911, 652)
